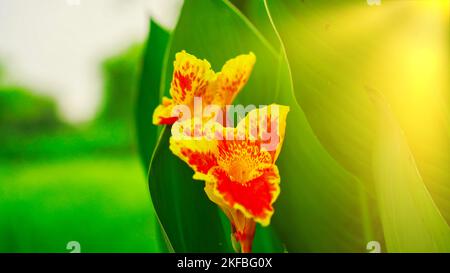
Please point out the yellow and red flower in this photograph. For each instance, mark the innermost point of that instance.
(193, 77)
(238, 166)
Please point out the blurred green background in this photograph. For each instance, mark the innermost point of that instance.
(62, 182)
(69, 163)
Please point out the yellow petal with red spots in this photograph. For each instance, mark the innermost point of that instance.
(191, 78)
(163, 113)
(187, 142)
(232, 78)
(247, 185)
(243, 160)
(266, 124)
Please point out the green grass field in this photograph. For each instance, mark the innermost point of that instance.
(101, 202)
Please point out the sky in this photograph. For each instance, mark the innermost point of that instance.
(56, 46)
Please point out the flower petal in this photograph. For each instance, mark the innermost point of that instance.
(253, 198)
(230, 81)
(191, 77)
(188, 143)
(266, 124)
(163, 113)
(242, 159)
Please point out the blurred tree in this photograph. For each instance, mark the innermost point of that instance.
(23, 112)
(120, 74)
(31, 127)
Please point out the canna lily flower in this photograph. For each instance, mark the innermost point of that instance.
(238, 166)
(193, 77)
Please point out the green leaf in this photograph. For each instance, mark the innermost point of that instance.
(256, 13)
(334, 61)
(327, 80)
(333, 209)
(338, 49)
(148, 97)
(411, 221)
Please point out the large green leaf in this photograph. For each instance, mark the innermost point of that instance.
(148, 96)
(339, 49)
(411, 221)
(256, 13)
(335, 60)
(365, 226)
(326, 75)
(320, 207)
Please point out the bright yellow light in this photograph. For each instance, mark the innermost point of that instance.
(438, 5)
